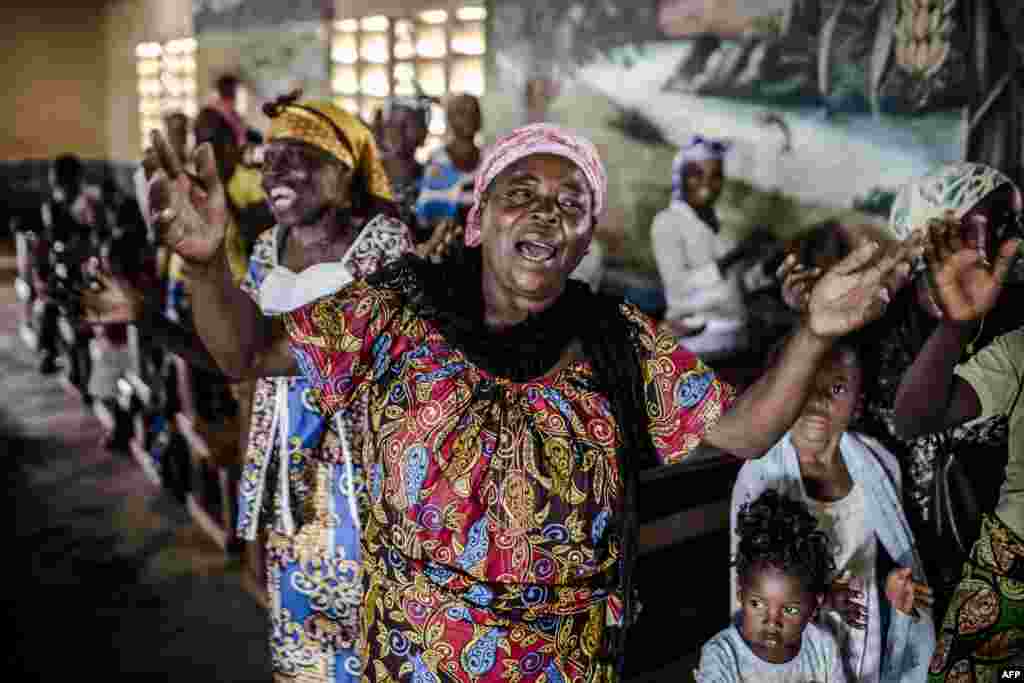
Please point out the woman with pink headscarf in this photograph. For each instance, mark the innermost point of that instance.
(509, 413)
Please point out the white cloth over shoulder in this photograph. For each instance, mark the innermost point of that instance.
(727, 658)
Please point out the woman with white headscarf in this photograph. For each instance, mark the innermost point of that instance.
(973, 244)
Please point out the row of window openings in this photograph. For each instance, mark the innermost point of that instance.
(407, 42)
(435, 78)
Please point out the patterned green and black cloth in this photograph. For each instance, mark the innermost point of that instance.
(983, 632)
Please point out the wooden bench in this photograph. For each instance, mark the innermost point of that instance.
(213, 445)
(682, 573)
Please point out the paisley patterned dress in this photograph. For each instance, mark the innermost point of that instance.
(488, 546)
(296, 486)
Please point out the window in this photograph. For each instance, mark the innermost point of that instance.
(167, 82)
(374, 57)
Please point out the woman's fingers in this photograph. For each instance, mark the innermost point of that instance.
(206, 165)
(896, 280)
(788, 265)
(150, 162)
(939, 240)
(931, 251)
(801, 277)
(169, 161)
(857, 258)
(163, 211)
(1008, 254)
(105, 280)
(889, 275)
(953, 232)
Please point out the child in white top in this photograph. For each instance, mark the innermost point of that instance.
(784, 563)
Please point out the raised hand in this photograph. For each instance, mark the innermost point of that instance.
(797, 282)
(191, 214)
(115, 301)
(856, 291)
(963, 283)
(905, 594)
(445, 235)
(848, 601)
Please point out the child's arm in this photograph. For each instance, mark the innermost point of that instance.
(905, 594)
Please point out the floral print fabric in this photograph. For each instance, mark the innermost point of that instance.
(488, 551)
(981, 634)
(303, 498)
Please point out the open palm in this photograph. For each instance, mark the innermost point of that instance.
(855, 292)
(191, 213)
(965, 285)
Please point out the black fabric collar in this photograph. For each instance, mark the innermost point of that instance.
(449, 295)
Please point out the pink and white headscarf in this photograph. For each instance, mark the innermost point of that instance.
(537, 138)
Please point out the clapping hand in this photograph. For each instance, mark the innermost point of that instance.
(797, 282)
(963, 282)
(856, 291)
(191, 214)
(905, 594)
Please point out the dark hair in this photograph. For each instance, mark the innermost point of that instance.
(211, 126)
(68, 170)
(227, 85)
(826, 243)
(779, 532)
(865, 345)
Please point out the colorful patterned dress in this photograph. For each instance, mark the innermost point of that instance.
(488, 547)
(307, 501)
(446, 190)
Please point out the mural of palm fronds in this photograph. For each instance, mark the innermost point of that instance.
(923, 35)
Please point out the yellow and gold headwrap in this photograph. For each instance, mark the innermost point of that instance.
(328, 127)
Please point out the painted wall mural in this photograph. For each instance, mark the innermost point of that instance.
(272, 46)
(830, 104)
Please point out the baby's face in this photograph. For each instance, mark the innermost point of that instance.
(775, 607)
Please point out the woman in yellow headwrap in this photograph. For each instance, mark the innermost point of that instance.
(335, 222)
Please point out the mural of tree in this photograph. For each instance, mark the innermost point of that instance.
(565, 34)
(995, 133)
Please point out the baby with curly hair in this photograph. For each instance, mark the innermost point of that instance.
(784, 564)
